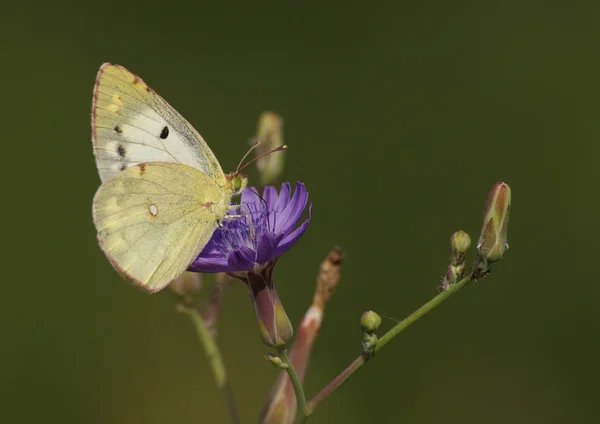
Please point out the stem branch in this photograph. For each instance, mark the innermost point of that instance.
(385, 339)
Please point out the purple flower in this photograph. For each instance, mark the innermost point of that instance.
(248, 245)
(266, 229)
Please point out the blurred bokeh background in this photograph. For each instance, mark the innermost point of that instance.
(400, 116)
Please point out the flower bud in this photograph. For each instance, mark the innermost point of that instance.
(459, 244)
(492, 242)
(370, 321)
(276, 361)
(270, 135)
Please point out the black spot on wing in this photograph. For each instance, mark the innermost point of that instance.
(164, 133)
(121, 150)
(123, 167)
(118, 129)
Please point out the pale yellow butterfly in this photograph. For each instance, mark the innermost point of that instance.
(163, 193)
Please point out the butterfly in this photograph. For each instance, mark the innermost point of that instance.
(163, 192)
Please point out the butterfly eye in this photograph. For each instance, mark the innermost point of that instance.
(238, 184)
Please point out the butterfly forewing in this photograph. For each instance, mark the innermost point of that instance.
(132, 124)
(154, 219)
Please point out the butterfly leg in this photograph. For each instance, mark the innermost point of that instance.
(236, 216)
(244, 215)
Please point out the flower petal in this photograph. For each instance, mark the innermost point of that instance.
(267, 244)
(241, 259)
(209, 264)
(289, 240)
(211, 247)
(249, 195)
(284, 197)
(266, 232)
(288, 218)
(270, 197)
(282, 201)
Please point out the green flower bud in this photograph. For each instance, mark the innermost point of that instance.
(276, 361)
(492, 242)
(370, 321)
(459, 244)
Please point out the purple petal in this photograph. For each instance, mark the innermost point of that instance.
(288, 218)
(209, 265)
(241, 259)
(291, 239)
(270, 196)
(249, 195)
(282, 201)
(211, 248)
(284, 197)
(267, 243)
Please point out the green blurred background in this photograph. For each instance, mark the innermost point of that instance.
(400, 116)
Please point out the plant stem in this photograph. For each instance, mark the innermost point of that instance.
(214, 359)
(336, 383)
(397, 329)
(302, 410)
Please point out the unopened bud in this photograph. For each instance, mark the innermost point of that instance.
(276, 361)
(459, 244)
(492, 242)
(270, 135)
(370, 321)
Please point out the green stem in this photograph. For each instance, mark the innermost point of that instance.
(436, 301)
(214, 359)
(397, 329)
(302, 410)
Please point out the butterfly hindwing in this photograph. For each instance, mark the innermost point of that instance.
(132, 124)
(154, 219)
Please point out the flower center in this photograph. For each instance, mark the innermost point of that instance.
(244, 226)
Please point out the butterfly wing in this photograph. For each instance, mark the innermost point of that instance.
(132, 124)
(154, 219)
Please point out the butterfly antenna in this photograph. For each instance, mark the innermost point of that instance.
(241, 167)
(254, 146)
